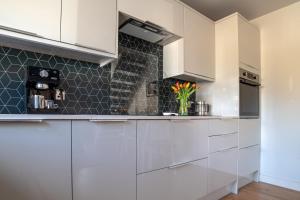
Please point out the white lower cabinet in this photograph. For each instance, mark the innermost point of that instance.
(249, 132)
(222, 167)
(162, 143)
(248, 164)
(183, 182)
(104, 160)
(35, 160)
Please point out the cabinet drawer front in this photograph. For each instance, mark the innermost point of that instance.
(165, 143)
(187, 182)
(223, 126)
(189, 140)
(222, 142)
(249, 160)
(249, 132)
(222, 169)
(153, 145)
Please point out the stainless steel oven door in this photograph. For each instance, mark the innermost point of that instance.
(249, 99)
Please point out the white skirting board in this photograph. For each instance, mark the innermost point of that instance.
(286, 183)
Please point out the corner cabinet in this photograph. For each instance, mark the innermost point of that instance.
(165, 13)
(35, 159)
(32, 17)
(90, 24)
(193, 57)
(104, 160)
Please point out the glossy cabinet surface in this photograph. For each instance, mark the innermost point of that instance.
(199, 44)
(193, 56)
(188, 182)
(165, 13)
(189, 140)
(161, 144)
(90, 23)
(35, 160)
(104, 160)
(249, 44)
(153, 145)
(222, 142)
(32, 17)
(222, 168)
(249, 160)
(223, 126)
(249, 132)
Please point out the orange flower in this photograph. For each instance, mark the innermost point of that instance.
(175, 89)
(181, 86)
(194, 86)
(187, 85)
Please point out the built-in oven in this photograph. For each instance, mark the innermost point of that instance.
(249, 94)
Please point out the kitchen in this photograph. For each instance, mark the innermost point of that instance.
(94, 104)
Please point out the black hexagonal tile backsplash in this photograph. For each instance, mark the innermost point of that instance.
(132, 85)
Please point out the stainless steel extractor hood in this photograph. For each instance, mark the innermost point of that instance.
(146, 31)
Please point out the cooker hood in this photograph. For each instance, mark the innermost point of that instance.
(146, 31)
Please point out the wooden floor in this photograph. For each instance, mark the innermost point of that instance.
(263, 191)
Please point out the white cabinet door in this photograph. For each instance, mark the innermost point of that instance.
(188, 182)
(249, 44)
(189, 140)
(32, 17)
(35, 160)
(165, 13)
(249, 133)
(199, 44)
(222, 142)
(153, 145)
(90, 23)
(223, 126)
(249, 160)
(222, 169)
(166, 143)
(104, 160)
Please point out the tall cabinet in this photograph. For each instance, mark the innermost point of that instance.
(35, 159)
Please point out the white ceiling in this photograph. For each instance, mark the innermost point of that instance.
(217, 9)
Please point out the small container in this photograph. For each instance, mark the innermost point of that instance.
(202, 108)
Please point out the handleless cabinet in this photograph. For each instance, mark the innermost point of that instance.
(222, 167)
(248, 164)
(90, 23)
(39, 18)
(162, 143)
(249, 44)
(187, 181)
(193, 56)
(165, 13)
(249, 132)
(35, 160)
(104, 160)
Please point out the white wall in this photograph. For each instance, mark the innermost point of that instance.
(280, 38)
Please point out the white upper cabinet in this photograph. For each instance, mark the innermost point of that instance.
(90, 23)
(192, 57)
(249, 44)
(39, 18)
(198, 44)
(165, 13)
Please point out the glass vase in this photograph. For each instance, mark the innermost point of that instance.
(183, 107)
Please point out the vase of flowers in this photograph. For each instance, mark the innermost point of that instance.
(183, 93)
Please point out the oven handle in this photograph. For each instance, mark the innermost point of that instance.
(247, 82)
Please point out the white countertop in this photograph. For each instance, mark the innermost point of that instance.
(28, 117)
